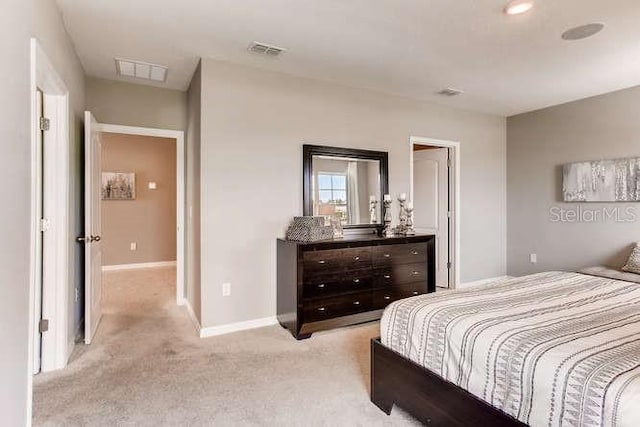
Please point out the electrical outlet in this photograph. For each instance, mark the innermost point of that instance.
(77, 294)
(533, 258)
(226, 289)
(133, 246)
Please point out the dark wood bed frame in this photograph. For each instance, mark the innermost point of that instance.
(396, 380)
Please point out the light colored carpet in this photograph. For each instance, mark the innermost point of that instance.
(147, 367)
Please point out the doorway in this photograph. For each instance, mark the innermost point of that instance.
(96, 134)
(434, 169)
(50, 343)
(138, 201)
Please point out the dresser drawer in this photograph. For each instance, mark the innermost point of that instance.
(382, 298)
(385, 255)
(329, 308)
(322, 261)
(335, 284)
(356, 258)
(400, 274)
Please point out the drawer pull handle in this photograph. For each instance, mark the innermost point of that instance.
(322, 261)
(321, 286)
(321, 309)
(416, 292)
(387, 297)
(356, 280)
(356, 303)
(387, 255)
(416, 273)
(387, 276)
(414, 252)
(356, 258)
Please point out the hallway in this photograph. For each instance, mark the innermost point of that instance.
(148, 367)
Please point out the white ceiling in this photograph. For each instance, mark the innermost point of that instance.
(506, 65)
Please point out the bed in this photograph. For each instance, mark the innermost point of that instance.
(552, 349)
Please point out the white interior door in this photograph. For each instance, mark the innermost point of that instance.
(37, 336)
(431, 204)
(92, 227)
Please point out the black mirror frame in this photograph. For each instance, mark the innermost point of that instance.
(308, 151)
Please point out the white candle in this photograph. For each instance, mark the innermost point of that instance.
(402, 197)
(387, 197)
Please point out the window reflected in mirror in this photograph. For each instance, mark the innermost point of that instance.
(343, 188)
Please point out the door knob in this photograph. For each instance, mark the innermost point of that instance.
(88, 239)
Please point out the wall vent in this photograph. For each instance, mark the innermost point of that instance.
(450, 92)
(266, 49)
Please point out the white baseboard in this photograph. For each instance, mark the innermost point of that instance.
(212, 331)
(192, 316)
(136, 266)
(482, 281)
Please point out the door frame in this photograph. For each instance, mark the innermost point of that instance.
(454, 198)
(52, 300)
(181, 201)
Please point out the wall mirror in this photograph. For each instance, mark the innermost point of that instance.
(341, 182)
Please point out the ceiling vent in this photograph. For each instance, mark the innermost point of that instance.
(450, 92)
(266, 49)
(141, 70)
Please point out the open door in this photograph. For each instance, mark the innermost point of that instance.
(37, 336)
(92, 227)
(431, 204)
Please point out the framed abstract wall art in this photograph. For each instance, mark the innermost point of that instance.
(615, 180)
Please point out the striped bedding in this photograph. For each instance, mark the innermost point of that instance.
(550, 349)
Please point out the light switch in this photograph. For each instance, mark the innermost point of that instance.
(152, 186)
(133, 246)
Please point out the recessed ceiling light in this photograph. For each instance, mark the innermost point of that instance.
(583, 31)
(517, 7)
(141, 70)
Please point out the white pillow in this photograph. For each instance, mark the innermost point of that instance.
(633, 263)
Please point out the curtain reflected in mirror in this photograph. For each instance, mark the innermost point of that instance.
(343, 188)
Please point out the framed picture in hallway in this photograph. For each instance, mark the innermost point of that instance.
(118, 186)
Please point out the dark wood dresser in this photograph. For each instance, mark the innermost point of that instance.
(327, 284)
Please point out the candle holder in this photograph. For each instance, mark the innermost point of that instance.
(373, 213)
(409, 231)
(401, 229)
(387, 231)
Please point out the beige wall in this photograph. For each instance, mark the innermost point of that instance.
(150, 219)
(50, 32)
(254, 125)
(136, 105)
(14, 216)
(193, 266)
(539, 143)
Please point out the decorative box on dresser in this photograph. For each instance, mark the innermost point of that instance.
(333, 283)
